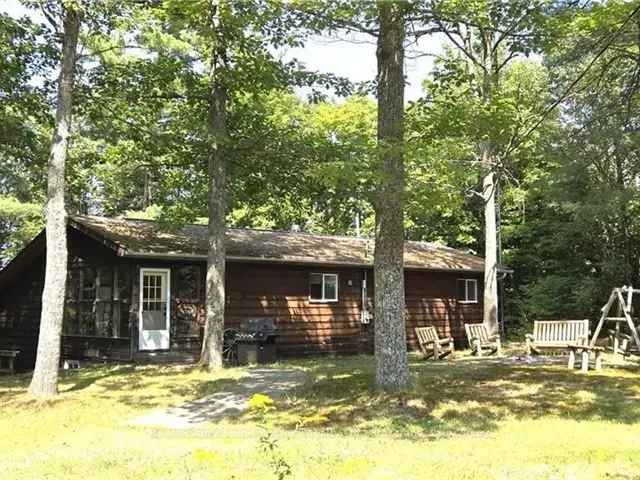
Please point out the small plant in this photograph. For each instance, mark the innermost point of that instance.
(270, 447)
(260, 402)
(205, 456)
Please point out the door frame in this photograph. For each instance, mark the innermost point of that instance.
(144, 270)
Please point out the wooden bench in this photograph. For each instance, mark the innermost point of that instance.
(585, 351)
(432, 345)
(8, 357)
(556, 335)
(479, 339)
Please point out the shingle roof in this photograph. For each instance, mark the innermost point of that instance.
(144, 238)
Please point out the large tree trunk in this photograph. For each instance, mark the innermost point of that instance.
(44, 383)
(490, 311)
(215, 288)
(392, 371)
(489, 188)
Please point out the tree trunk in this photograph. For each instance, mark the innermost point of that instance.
(215, 287)
(489, 187)
(392, 372)
(44, 383)
(490, 312)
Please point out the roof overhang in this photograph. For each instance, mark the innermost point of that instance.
(119, 249)
(287, 261)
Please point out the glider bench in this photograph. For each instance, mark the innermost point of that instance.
(557, 335)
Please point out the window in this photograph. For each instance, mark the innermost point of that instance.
(323, 287)
(5, 319)
(467, 290)
(87, 284)
(187, 283)
(97, 301)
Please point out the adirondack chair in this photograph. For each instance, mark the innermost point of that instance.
(557, 335)
(479, 339)
(433, 346)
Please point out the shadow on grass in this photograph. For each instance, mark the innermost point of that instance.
(446, 398)
(137, 386)
(449, 398)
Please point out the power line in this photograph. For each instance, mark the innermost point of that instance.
(575, 82)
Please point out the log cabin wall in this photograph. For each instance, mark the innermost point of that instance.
(20, 307)
(306, 327)
(187, 315)
(432, 299)
(98, 301)
(282, 292)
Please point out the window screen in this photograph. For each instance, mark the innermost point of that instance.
(467, 290)
(323, 287)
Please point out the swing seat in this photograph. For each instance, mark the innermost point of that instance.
(623, 344)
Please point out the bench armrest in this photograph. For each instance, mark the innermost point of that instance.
(613, 333)
(582, 339)
(529, 336)
(624, 336)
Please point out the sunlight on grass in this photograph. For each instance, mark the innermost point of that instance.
(460, 419)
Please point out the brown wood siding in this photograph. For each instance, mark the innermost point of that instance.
(187, 304)
(254, 290)
(20, 307)
(87, 254)
(282, 292)
(431, 300)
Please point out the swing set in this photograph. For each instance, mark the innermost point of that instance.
(622, 300)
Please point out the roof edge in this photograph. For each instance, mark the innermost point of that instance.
(118, 248)
(236, 258)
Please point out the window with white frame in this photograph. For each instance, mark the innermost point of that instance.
(323, 287)
(467, 290)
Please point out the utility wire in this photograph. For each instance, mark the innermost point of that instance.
(575, 82)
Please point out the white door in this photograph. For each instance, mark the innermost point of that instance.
(154, 309)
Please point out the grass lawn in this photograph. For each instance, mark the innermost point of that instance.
(461, 419)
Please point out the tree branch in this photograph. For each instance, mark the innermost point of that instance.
(460, 47)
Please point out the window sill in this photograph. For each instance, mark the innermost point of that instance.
(323, 301)
(468, 302)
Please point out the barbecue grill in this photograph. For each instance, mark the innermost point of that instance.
(255, 341)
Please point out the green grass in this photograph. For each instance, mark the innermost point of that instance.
(462, 419)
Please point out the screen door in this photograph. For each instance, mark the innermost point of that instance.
(154, 309)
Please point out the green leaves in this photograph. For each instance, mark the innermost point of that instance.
(19, 223)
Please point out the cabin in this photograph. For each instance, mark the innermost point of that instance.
(135, 290)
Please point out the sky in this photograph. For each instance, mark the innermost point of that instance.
(353, 58)
(356, 60)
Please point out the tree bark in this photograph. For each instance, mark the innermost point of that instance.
(44, 383)
(211, 355)
(392, 371)
(489, 187)
(490, 310)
